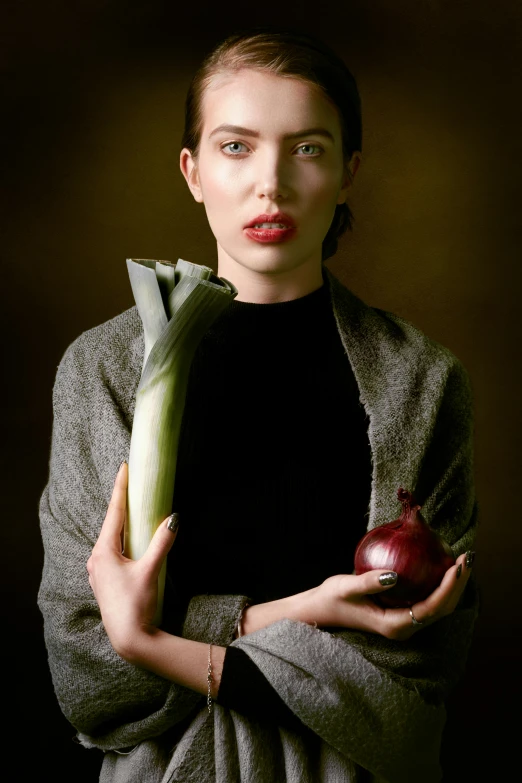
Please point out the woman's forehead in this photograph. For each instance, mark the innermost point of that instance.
(250, 96)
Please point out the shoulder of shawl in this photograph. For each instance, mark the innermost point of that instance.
(375, 338)
(107, 357)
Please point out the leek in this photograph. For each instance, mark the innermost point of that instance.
(177, 304)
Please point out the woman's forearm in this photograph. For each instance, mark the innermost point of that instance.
(294, 607)
(186, 662)
(176, 659)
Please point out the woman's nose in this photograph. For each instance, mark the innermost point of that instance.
(272, 179)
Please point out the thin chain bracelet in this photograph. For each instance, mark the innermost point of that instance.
(209, 680)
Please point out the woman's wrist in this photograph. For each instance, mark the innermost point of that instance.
(294, 607)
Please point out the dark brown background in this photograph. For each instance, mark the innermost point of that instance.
(94, 97)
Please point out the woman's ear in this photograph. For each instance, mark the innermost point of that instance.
(189, 170)
(355, 162)
(349, 176)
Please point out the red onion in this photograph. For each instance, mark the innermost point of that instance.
(408, 546)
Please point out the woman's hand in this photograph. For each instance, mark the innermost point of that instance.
(126, 590)
(344, 600)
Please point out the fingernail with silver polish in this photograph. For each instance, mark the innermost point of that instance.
(388, 579)
(173, 522)
(459, 570)
(470, 556)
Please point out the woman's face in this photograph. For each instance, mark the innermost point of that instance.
(284, 155)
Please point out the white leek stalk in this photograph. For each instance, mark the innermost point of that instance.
(177, 304)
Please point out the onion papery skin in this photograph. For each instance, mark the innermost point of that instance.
(411, 548)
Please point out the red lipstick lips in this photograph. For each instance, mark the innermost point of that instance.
(266, 234)
(275, 217)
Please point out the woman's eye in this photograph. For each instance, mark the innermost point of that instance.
(309, 146)
(315, 149)
(233, 144)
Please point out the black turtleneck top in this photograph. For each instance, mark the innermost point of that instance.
(272, 497)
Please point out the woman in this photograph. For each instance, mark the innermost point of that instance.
(273, 662)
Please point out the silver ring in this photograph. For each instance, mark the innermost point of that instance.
(414, 620)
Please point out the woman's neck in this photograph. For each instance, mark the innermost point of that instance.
(268, 284)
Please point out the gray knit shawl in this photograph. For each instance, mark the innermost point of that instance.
(375, 706)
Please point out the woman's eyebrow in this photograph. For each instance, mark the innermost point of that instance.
(248, 132)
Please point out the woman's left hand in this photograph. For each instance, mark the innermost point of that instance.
(126, 590)
(400, 623)
(345, 600)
